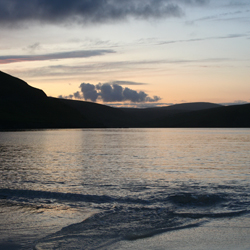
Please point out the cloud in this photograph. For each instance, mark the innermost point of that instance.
(235, 15)
(110, 93)
(194, 2)
(60, 55)
(139, 105)
(229, 36)
(89, 91)
(236, 3)
(33, 47)
(237, 102)
(127, 83)
(99, 70)
(14, 12)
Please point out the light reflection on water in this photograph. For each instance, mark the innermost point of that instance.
(114, 162)
(68, 160)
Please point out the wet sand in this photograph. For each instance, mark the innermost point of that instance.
(230, 234)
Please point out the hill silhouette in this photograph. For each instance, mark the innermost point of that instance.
(26, 107)
(219, 117)
(14, 89)
(147, 116)
(108, 116)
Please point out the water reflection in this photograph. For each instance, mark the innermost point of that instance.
(115, 169)
(67, 160)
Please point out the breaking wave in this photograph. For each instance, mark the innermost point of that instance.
(128, 218)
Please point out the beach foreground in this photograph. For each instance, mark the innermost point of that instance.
(125, 189)
(219, 234)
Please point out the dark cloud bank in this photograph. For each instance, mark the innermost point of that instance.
(110, 92)
(89, 11)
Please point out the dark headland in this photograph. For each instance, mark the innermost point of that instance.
(26, 107)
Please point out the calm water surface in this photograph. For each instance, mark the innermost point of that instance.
(87, 189)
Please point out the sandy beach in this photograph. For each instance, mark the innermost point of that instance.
(231, 234)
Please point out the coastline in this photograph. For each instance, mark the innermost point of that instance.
(219, 234)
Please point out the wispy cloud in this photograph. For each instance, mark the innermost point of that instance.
(12, 12)
(98, 69)
(239, 102)
(138, 105)
(33, 47)
(230, 36)
(52, 56)
(127, 83)
(237, 3)
(238, 14)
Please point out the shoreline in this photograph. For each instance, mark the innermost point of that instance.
(219, 234)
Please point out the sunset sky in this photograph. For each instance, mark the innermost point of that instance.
(148, 52)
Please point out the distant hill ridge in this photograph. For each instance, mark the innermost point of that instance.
(26, 107)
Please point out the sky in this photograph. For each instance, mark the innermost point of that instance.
(138, 53)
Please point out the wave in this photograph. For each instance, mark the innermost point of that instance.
(28, 195)
(36, 194)
(163, 198)
(111, 226)
(194, 199)
(125, 223)
(129, 218)
(212, 215)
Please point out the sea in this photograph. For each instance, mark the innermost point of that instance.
(93, 188)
